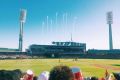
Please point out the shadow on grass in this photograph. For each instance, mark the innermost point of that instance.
(115, 64)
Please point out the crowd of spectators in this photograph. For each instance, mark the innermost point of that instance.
(57, 73)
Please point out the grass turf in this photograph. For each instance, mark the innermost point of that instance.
(89, 67)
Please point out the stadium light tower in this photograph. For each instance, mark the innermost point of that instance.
(22, 21)
(109, 22)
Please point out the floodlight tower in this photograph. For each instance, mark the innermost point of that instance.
(22, 21)
(110, 22)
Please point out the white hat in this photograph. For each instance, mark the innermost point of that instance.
(30, 72)
(44, 76)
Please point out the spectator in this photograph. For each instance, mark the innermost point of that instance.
(28, 75)
(94, 78)
(44, 76)
(77, 73)
(117, 76)
(10, 74)
(35, 78)
(61, 73)
(18, 73)
(87, 78)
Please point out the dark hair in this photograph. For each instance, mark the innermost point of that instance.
(17, 74)
(61, 73)
(94, 78)
(35, 78)
(10, 74)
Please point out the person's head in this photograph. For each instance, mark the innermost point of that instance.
(18, 73)
(28, 75)
(35, 78)
(94, 78)
(44, 76)
(61, 73)
(10, 74)
(113, 77)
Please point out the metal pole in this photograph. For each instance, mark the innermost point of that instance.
(21, 37)
(110, 38)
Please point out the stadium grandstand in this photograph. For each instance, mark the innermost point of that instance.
(58, 49)
(11, 53)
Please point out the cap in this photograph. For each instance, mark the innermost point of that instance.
(30, 72)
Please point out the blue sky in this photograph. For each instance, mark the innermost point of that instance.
(85, 20)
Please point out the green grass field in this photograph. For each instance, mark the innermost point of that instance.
(89, 67)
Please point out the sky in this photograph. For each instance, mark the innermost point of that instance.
(57, 20)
